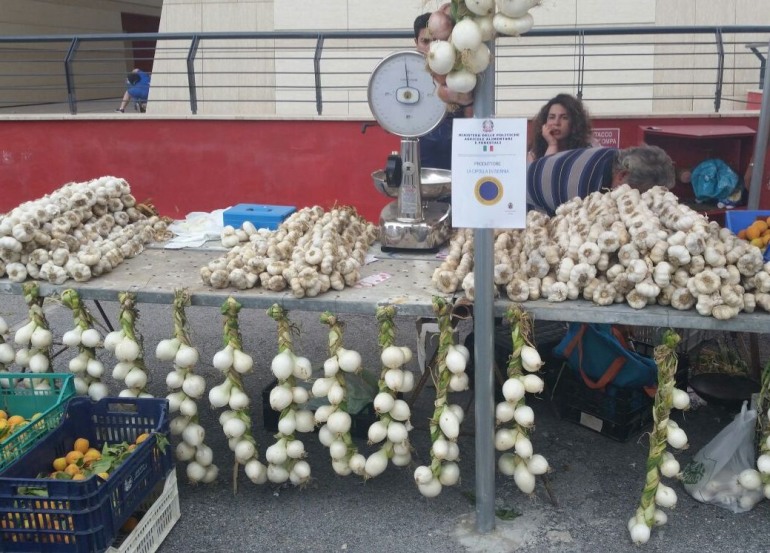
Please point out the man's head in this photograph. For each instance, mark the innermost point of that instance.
(133, 78)
(422, 38)
(643, 167)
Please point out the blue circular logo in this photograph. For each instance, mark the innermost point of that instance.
(489, 190)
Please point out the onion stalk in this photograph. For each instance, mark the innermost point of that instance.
(292, 466)
(656, 493)
(185, 388)
(126, 345)
(763, 422)
(90, 379)
(36, 338)
(515, 418)
(344, 453)
(237, 423)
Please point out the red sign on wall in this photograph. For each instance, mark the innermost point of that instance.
(607, 138)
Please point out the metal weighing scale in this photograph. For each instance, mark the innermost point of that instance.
(403, 99)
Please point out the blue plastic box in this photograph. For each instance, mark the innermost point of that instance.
(59, 516)
(261, 216)
(737, 220)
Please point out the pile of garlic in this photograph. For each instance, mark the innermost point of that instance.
(79, 231)
(310, 252)
(460, 29)
(617, 247)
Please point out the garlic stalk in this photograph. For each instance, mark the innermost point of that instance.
(86, 366)
(34, 338)
(335, 418)
(286, 457)
(185, 389)
(664, 430)
(236, 423)
(514, 417)
(446, 420)
(126, 345)
(392, 425)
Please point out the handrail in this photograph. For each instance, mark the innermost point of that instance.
(509, 50)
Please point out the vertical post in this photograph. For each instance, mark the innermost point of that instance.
(191, 53)
(760, 146)
(70, 77)
(483, 328)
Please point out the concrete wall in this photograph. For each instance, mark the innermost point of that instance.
(99, 71)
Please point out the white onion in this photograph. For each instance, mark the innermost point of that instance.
(377, 432)
(276, 454)
(480, 7)
(505, 439)
(95, 368)
(524, 479)
(81, 386)
(136, 378)
(175, 401)
(304, 420)
(238, 400)
(394, 379)
(339, 422)
(175, 379)
(478, 59)
(193, 433)
(423, 475)
(349, 360)
(431, 489)
(523, 447)
(322, 413)
(24, 334)
(401, 459)
(440, 449)
(204, 455)
(321, 386)
(640, 533)
(325, 436)
(392, 357)
(303, 368)
(450, 474)
(98, 390)
(676, 437)
(401, 412)
(79, 363)
(244, 451)
(223, 359)
(287, 424)
(300, 473)
(397, 432)
(72, 337)
(331, 367)
(504, 412)
(129, 393)
(186, 356)
(459, 382)
(242, 361)
(121, 369)
(750, 479)
(485, 26)
(336, 394)
(184, 451)
(441, 56)
(669, 466)
(512, 26)
(195, 472)
(466, 35)
(255, 471)
(383, 402)
(524, 415)
(660, 517)
(90, 338)
(112, 339)
(166, 349)
(665, 496)
(680, 399)
(537, 465)
(341, 467)
(533, 384)
(219, 396)
(530, 359)
(357, 464)
(763, 463)
(516, 8)
(295, 449)
(507, 464)
(127, 350)
(194, 385)
(449, 424)
(376, 463)
(300, 395)
(408, 384)
(338, 450)
(513, 390)
(38, 363)
(455, 361)
(282, 365)
(234, 428)
(7, 354)
(226, 416)
(407, 354)
(280, 397)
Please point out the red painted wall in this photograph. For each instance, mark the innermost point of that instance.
(201, 165)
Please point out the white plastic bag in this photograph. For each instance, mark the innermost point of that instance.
(712, 475)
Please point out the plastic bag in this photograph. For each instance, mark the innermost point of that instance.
(712, 475)
(361, 389)
(713, 180)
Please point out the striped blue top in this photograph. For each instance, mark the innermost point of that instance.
(555, 179)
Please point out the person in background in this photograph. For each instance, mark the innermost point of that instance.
(555, 179)
(137, 90)
(436, 146)
(561, 124)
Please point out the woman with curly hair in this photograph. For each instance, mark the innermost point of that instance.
(561, 124)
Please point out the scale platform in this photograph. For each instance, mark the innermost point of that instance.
(429, 233)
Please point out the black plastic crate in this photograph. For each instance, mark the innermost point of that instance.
(359, 426)
(617, 413)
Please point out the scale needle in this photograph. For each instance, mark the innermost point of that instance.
(406, 73)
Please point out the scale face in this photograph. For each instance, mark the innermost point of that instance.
(403, 97)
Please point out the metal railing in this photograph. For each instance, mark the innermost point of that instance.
(307, 74)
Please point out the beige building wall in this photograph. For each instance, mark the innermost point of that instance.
(98, 71)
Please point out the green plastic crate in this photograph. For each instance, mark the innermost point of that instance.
(16, 398)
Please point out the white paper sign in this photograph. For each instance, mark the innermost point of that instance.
(489, 173)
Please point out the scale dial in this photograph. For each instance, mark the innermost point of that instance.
(403, 97)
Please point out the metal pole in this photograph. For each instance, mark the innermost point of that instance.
(484, 344)
(760, 147)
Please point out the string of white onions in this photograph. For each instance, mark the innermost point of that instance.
(523, 463)
(286, 457)
(393, 423)
(125, 344)
(657, 495)
(79, 231)
(621, 246)
(460, 29)
(451, 361)
(7, 353)
(309, 253)
(756, 482)
(185, 389)
(34, 338)
(236, 421)
(333, 417)
(86, 366)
